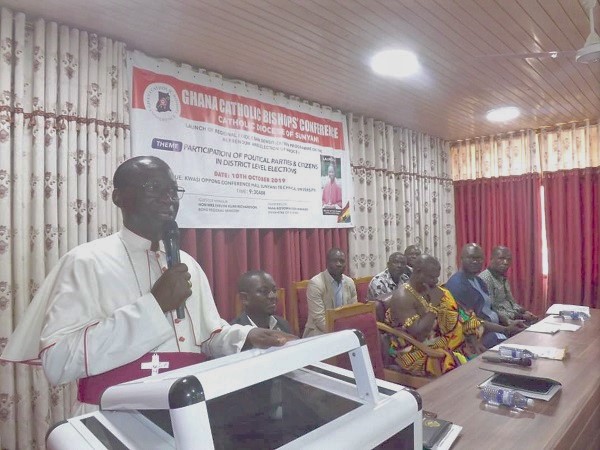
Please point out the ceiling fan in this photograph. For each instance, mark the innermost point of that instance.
(591, 49)
(589, 53)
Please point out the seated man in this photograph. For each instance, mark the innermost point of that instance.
(429, 314)
(498, 286)
(471, 294)
(411, 253)
(106, 313)
(258, 294)
(388, 280)
(328, 290)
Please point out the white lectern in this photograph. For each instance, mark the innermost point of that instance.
(282, 397)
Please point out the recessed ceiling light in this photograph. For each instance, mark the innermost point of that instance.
(395, 63)
(503, 114)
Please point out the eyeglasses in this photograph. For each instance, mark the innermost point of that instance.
(155, 189)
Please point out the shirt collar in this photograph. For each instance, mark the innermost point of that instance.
(272, 322)
(137, 242)
(467, 276)
(497, 277)
(331, 279)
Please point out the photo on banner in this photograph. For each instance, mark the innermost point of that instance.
(331, 184)
(246, 157)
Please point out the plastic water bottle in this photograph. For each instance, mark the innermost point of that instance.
(574, 315)
(494, 395)
(516, 353)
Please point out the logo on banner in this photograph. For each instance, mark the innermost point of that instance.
(345, 216)
(162, 100)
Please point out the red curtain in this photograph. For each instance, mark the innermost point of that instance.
(288, 254)
(505, 211)
(572, 201)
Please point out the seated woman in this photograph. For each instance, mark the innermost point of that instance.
(430, 314)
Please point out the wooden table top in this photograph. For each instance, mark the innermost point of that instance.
(554, 424)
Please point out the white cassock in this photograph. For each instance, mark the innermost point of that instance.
(89, 317)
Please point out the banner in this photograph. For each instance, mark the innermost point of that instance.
(246, 158)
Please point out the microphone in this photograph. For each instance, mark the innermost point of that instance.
(171, 241)
(525, 362)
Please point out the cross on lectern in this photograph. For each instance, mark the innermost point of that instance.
(155, 365)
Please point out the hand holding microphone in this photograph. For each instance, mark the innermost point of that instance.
(174, 286)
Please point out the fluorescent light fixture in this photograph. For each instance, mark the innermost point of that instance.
(503, 114)
(395, 63)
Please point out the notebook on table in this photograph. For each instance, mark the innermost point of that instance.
(434, 430)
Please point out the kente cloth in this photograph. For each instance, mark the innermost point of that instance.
(88, 317)
(447, 334)
(470, 292)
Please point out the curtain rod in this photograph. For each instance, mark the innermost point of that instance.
(577, 125)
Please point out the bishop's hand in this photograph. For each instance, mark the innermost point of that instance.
(263, 338)
(173, 287)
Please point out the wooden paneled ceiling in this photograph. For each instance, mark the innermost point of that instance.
(319, 50)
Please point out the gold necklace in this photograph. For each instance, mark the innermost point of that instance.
(428, 306)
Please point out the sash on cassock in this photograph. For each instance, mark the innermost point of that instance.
(90, 389)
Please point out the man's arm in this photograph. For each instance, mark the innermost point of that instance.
(224, 339)
(372, 291)
(411, 315)
(79, 339)
(352, 287)
(316, 304)
(513, 328)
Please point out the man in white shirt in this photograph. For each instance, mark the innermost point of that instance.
(258, 293)
(387, 281)
(106, 313)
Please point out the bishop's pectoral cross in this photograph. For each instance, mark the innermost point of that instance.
(155, 364)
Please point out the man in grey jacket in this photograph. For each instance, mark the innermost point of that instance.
(328, 290)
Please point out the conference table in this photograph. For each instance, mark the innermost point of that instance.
(570, 420)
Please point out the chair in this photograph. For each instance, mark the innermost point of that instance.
(281, 309)
(362, 287)
(392, 371)
(298, 307)
(359, 316)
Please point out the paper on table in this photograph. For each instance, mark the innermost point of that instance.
(446, 442)
(558, 307)
(539, 351)
(543, 327)
(552, 324)
(569, 327)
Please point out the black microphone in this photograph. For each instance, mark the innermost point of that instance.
(526, 362)
(171, 241)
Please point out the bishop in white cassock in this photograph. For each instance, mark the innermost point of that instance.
(108, 307)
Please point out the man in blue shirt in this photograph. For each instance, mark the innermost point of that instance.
(471, 294)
